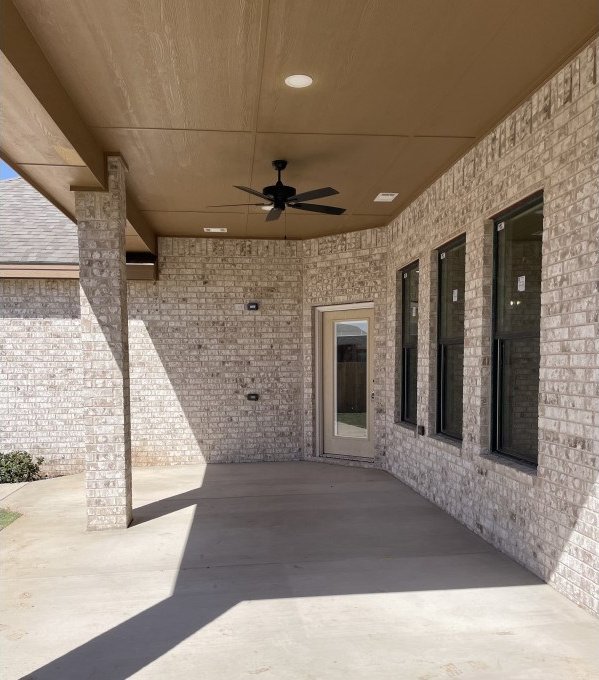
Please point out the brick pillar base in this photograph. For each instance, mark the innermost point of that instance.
(101, 219)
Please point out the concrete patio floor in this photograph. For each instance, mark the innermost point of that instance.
(273, 570)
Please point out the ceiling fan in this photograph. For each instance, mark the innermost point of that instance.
(281, 196)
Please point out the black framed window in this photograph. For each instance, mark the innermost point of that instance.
(409, 343)
(516, 330)
(450, 338)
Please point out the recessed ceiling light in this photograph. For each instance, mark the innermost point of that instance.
(266, 207)
(215, 230)
(385, 197)
(298, 80)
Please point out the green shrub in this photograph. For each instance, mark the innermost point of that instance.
(19, 466)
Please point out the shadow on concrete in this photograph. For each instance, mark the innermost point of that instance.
(258, 535)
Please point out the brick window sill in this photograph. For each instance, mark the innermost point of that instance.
(510, 467)
(408, 427)
(453, 445)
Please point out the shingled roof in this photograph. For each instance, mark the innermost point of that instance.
(32, 230)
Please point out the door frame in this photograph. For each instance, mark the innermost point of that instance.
(318, 397)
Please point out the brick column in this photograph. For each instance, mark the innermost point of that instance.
(477, 338)
(101, 220)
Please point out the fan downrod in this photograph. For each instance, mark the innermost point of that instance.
(280, 192)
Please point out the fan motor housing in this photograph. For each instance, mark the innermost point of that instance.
(280, 193)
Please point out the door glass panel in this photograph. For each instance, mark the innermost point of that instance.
(351, 375)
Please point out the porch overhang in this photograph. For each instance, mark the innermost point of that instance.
(192, 95)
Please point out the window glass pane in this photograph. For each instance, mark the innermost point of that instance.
(397, 417)
(518, 271)
(410, 308)
(519, 390)
(452, 265)
(451, 292)
(452, 387)
(409, 337)
(518, 262)
(410, 371)
(351, 369)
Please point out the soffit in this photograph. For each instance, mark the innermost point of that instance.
(192, 94)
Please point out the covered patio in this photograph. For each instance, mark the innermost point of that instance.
(274, 570)
(355, 250)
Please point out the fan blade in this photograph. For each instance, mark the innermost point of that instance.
(314, 207)
(233, 205)
(315, 193)
(273, 215)
(254, 192)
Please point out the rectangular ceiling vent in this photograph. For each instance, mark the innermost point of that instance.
(215, 230)
(385, 197)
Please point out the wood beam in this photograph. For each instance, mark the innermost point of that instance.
(24, 54)
(139, 222)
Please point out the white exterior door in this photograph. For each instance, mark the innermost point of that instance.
(347, 383)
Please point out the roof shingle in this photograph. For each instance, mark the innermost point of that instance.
(32, 229)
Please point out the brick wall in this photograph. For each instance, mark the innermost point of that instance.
(196, 352)
(41, 404)
(547, 519)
